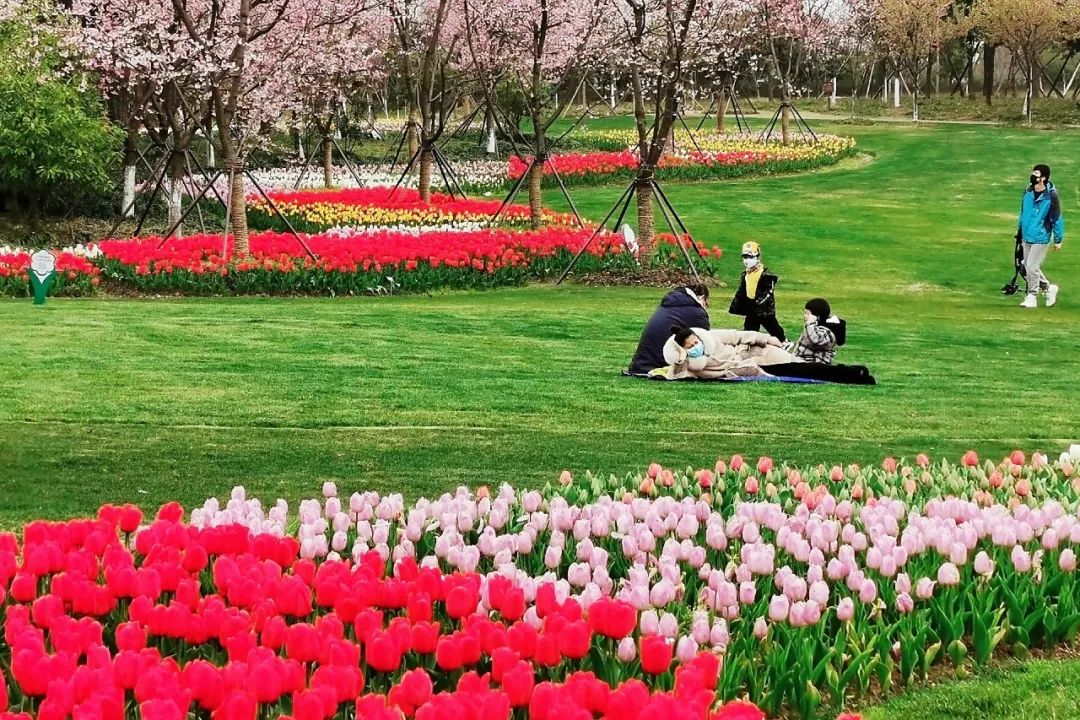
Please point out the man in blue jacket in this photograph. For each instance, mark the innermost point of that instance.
(685, 306)
(1040, 221)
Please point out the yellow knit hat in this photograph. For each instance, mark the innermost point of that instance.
(751, 248)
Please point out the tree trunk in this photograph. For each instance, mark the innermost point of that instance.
(328, 161)
(413, 131)
(721, 110)
(988, 73)
(536, 198)
(427, 160)
(489, 128)
(176, 192)
(127, 203)
(785, 122)
(237, 197)
(131, 159)
(646, 224)
(1030, 91)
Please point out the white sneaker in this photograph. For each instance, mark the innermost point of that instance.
(788, 346)
(1051, 295)
(1030, 301)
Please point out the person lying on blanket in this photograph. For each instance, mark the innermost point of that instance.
(720, 354)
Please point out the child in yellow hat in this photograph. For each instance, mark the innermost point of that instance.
(755, 299)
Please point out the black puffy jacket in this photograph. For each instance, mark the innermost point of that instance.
(763, 304)
(677, 308)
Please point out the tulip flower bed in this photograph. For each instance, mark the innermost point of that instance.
(714, 595)
(714, 156)
(75, 274)
(355, 261)
(318, 210)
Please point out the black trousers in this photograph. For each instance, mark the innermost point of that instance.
(846, 374)
(769, 322)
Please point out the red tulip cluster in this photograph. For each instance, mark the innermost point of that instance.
(487, 250)
(607, 163)
(102, 614)
(74, 273)
(369, 207)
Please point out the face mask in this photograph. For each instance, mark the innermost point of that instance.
(696, 351)
(750, 263)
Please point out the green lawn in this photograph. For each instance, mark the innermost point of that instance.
(1040, 690)
(150, 400)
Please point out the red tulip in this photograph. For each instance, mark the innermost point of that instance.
(518, 682)
(461, 601)
(382, 653)
(416, 687)
(656, 654)
(574, 640)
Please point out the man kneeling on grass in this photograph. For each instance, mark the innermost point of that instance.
(686, 306)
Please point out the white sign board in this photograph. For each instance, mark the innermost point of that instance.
(42, 264)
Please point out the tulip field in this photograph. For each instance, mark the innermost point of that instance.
(739, 591)
(698, 157)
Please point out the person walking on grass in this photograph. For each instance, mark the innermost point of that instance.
(755, 299)
(1040, 222)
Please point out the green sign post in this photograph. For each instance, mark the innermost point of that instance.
(42, 274)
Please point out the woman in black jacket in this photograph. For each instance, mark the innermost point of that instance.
(685, 306)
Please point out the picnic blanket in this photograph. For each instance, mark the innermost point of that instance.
(800, 373)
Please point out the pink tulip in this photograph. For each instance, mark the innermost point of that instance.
(761, 628)
(1067, 561)
(948, 574)
(649, 622)
(329, 490)
(845, 609)
(902, 583)
(747, 593)
(868, 592)
(889, 465)
(922, 460)
(778, 608)
(736, 463)
(627, 650)
(983, 564)
(764, 465)
(686, 649)
(654, 470)
(970, 459)
(904, 603)
(751, 485)
(1017, 457)
(924, 589)
(718, 633)
(1021, 559)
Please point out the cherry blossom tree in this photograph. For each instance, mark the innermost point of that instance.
(792, 31)
(352, 61)
(541, 45)
(124, 43)
(722, 45)
(426, 33)
(656, 41)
